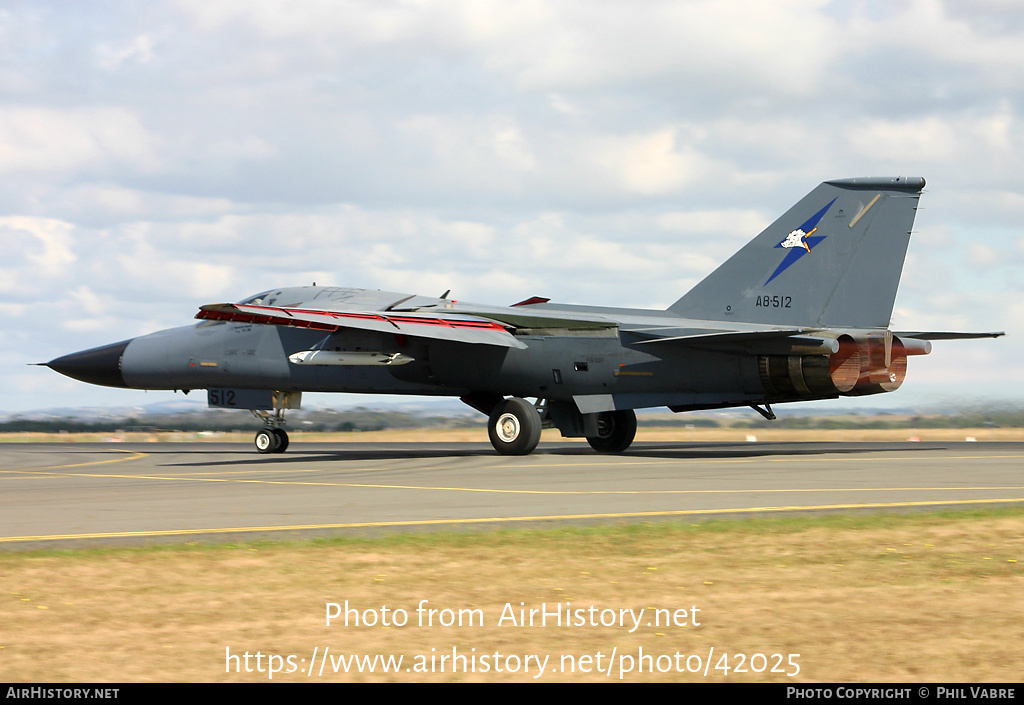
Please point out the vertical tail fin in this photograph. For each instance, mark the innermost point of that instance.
(833, 261)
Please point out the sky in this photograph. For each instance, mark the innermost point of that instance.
(158, 156)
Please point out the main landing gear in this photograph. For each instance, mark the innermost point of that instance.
(514, 425)
(615, 431)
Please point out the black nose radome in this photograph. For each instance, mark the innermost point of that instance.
(100, 365)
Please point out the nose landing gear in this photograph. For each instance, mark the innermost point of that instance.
(273, 438)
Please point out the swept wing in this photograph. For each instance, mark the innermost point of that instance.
(454, 327)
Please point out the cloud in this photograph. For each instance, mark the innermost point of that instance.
(83, 139)
(38, 253)
(109, 56)
(106, 204)
(653, 164)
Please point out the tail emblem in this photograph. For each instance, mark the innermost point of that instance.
(796, 239)
(800, 242)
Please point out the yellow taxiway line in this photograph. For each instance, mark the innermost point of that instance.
(495, 520)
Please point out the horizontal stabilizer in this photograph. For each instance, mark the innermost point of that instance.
(807, 340)
(938, 335)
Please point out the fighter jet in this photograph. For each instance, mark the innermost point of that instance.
(800, 313)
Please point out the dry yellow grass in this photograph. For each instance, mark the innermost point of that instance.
(893, 598)
(697, 435)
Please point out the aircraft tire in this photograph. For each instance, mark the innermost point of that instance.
(617, 429)
(514, 427)
(282, 440)
(266, 441)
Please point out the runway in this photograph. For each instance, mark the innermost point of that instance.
(67, 494)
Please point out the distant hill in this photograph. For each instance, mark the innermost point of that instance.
(193, 415)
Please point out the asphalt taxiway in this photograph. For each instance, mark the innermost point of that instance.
(70, 494)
